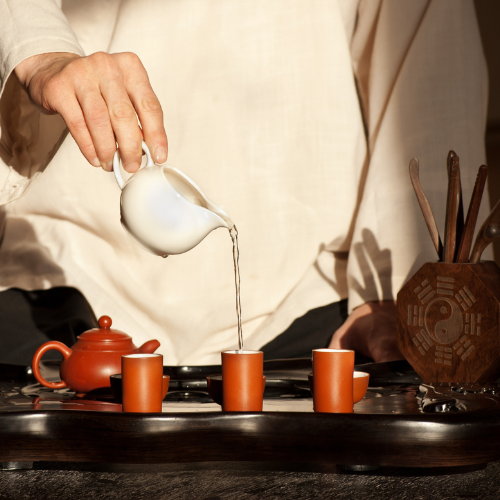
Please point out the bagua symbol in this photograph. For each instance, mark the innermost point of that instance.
(440, 318)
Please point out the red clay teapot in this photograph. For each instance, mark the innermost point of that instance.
(90, 362)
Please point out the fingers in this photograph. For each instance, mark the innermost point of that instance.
(122, 121)
(73, 116)
(97, 120)
(110, 115)
(151, 117)
(146, 105)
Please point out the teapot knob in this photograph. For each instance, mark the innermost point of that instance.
(105, 322)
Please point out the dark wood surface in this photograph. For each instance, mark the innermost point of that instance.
(390, 427)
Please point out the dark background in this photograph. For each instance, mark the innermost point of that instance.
(488, 14)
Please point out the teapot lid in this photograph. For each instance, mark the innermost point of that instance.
(104, 333)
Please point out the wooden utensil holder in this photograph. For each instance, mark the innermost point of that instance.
(449, 322)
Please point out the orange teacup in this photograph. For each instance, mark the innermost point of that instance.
(142, 383)
(333, 380)
(242, 372)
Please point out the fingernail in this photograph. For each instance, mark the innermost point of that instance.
(160, 154)
(107, 166)
(131, 167)
(96, 162)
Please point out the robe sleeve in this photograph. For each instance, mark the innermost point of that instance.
(422, 82)
(28, 138)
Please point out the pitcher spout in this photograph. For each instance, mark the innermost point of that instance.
(228, 223)
(190, 191)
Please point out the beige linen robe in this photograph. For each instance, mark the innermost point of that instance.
(261, 108)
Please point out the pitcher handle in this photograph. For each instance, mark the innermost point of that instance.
(117, 165)
(57, 346)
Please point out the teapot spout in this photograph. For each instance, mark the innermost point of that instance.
(149, 347)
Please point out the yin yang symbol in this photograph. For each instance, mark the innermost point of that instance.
(443, 320)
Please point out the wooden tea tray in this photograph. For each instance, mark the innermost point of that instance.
(398, 423)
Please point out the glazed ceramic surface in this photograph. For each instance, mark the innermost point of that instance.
(96, 356)
(116, 386)
(359, 385)
(214, 386)
(243, 388)
(142, 383)
(163, 210)
(333, 380)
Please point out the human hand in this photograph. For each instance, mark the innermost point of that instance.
(100, 98)
(371, 331)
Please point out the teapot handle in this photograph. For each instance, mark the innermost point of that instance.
(58, 346)
(117, 166)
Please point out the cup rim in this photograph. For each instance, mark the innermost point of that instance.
(243, 351)
(141, 355)
(119, 376)
(327, 349)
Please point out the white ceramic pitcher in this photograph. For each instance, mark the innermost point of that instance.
(163, 210)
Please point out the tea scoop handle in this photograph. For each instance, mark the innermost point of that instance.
(118, 169)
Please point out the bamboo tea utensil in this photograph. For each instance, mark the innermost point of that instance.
(472, 213)
(449, 161)
(425, 207)
(460, 214)
(489, 231)
(452, 207)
